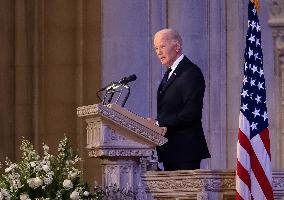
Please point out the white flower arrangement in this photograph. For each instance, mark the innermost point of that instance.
(46, 177)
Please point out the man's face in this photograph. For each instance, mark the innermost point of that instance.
(166, 49)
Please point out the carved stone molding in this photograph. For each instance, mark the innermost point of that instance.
(276, 12)
(190, 180)
(100, 135)
(202, 184)
(122, 121)
(278, 184)
(119, 153)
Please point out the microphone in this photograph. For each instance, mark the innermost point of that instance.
(122, 81)
(128, 79)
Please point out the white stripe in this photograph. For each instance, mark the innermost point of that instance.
(262, 156)
(256, 190)
(244, 125)
(242, 188)
(243, 157)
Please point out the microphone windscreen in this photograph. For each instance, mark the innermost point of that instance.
(132, 77)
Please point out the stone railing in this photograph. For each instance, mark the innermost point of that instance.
(199, 184)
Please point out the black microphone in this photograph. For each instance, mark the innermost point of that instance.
(122, 81)
(128, 79)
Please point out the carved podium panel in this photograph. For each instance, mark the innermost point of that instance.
(123, 141)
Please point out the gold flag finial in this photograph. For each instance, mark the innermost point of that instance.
(256, 3)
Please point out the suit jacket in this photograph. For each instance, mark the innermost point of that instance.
(179, 108)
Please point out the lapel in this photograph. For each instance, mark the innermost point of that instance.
(180, 68)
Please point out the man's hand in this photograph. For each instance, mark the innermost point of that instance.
(164, 131)
(152, 121)
(157, 123)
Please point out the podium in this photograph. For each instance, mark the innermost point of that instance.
(123, 141)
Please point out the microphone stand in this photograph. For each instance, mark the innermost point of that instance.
(111, 89)
(97, 93)
(114, 90)
(111, 96)
(127, 95)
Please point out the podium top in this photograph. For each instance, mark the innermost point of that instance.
(124, 118)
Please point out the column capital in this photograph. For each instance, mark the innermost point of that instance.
(276, 13)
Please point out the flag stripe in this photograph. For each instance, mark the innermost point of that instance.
(256, 191)
(244, 125)
(243, 174)
(261, 177)
(238, 197)
(256, 166)
(265, 139)
(243, 182)
(244, 141)
(243, 157)
(243, 190)
(261, 155)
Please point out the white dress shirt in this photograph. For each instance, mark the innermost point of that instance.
(175, 64)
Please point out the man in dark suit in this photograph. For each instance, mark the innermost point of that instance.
(179, 105)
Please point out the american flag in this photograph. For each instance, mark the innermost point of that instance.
(253, 174)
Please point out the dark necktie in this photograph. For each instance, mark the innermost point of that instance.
(165, 78)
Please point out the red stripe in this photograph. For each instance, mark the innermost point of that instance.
(261, 177)
(244, 141)
(264, 135)
(243, 174)
(256, 166)
(238, 196)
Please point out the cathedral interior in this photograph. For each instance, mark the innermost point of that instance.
(56, 54)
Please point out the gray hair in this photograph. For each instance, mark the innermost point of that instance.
(171, 34)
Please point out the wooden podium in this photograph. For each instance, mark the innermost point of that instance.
(123, 141)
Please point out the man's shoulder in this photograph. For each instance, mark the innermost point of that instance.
(190, 67)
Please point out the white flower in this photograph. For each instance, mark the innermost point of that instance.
(5, 192)
(67, 184)
(17, 175)
(33, 164)
(16, 184)
(45, 147)
(4, 195)
(43, 175)
(35, 182)
(86, 193)
(8, 169)
(75, 195)
(45, 168)
(24, 197)
(73, 175)
(47, 180)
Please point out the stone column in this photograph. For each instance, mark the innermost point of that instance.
(276, 21)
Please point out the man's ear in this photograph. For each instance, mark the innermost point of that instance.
(178, 46)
